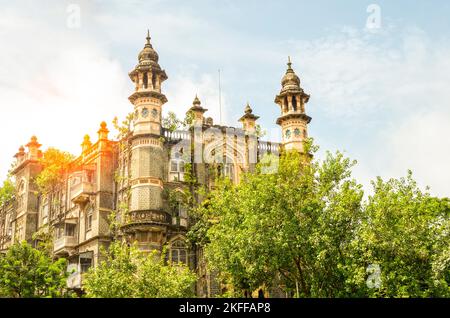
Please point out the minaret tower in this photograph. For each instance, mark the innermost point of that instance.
(147, 98)
(147, 155)
(293, 119)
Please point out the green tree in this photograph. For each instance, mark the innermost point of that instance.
(7, 191)
(406, 233)
(127, 272)
(292, 227)
(55, 164)
(28, 272)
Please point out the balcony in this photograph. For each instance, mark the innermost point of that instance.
(139, 218)
(64, 243)
(80, 192)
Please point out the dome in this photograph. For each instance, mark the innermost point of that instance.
(290, 78)
(148, 53)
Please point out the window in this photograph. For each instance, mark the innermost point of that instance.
(89, 219)
(141, 237)
(179, 215)
(145, 80)
(176, 170)
(179, 256)
(178, 252)
(21, 199)
(70, 229)
(59, 231)
(19, 233)
(226, 170)
(294, 103)
(155, 237)
(154, 80)
(85, 261)
(45, 211)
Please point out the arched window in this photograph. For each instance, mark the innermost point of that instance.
(89, 213)
(21, 194)
(178, 252)
(286, 104)
(294, 103)
(176, 169)
(145, 80)
(154, 80)
(179, 216)
(228, 171)
(45, 211)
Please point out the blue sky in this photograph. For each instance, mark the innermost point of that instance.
(380, 95)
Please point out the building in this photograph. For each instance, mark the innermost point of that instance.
(137, 181)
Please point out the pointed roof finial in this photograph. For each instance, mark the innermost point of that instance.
(289, 63)
(196, 100)
(248, 109)
(148, 37)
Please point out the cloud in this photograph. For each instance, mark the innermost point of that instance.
(384, 98)
(181, 90)
(59, 84)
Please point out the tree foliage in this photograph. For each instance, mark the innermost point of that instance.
(26, 272)
(7, 191)
(54, 165)
(405, 232)
(126, 272)
(305, 227)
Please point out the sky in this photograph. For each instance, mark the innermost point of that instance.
(379, 79)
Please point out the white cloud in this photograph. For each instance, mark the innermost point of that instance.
(59, 84)
(393, 98)
(181, 90)
(382, 96)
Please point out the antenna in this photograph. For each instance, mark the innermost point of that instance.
(220, 101)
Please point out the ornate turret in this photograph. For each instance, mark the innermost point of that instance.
(147, 97)
(33, 148)
(146, 208)
(293, 120)
(197, 111)
(20, 155)
(103, 131)
(87, 144)
(249, 119)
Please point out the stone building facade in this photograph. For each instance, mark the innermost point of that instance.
(135, 180)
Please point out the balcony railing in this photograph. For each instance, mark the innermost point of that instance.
(80, 192)
(64, 242)
(148, 217)
(176, 135)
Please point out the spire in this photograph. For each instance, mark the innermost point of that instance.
(148, 39)
(196, 101)
(196, 105)
(148, 53)
(248, 113)
(289, 63)
(290, 80)
(248, 109)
